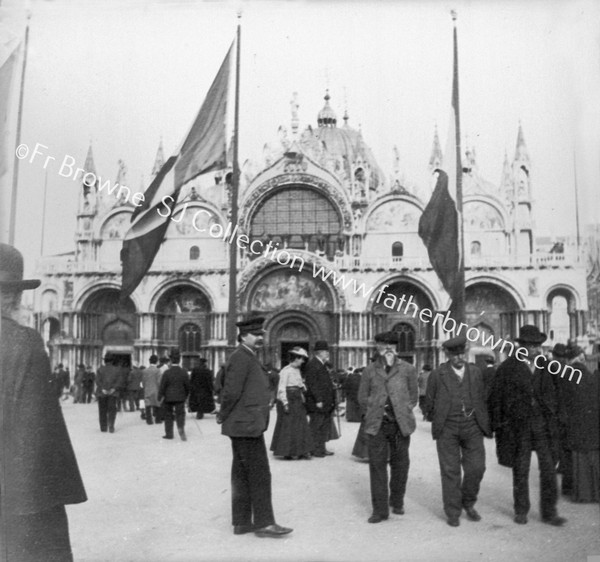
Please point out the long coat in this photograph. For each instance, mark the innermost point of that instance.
(438, 399)
(201, 390)
(151, 382)
(400, 384)
(40, 468)
(319, 387)
(510, 407)
(245, 395)
(583, 422)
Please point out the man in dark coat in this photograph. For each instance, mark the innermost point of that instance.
(108, 382)
(320, 398)
(455, 404)
(244, 416)
(524, 415)
(173, 391)
(89, 378)
(38, 470)
(388, 394)
(201, 390)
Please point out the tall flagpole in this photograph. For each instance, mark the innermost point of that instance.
(576, 204)
(44, 215)
(459, 308)
(13, 200)
(232, 315)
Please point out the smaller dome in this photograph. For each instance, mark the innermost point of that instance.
(327, 117)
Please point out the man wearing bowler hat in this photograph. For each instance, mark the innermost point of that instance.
(455, 403)
(387, 394)
(244, 416)
(320, 398)
(524, 413)
(38, 466)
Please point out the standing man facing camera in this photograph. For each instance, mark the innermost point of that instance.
(456, 404)
(244, 415)
(387, 394)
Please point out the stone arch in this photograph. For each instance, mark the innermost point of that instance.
(166, 285)
(408, 278)
(103, 308)
(394, 213)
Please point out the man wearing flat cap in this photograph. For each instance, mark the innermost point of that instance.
(320, 398)
(38, 466)
(244, 416)
(456, 405)
(387, 394)
(524, 414)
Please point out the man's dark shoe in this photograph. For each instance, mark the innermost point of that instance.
(520, 518)
(398, 510)
(472, 514)
(375, 518)
(556, 521)
(272, 531)
(329, 453)
(111, 429)
(243, 529)
(167, 437)
(453, 521)
(305, 457)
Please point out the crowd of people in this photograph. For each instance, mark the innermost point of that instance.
(524, 407)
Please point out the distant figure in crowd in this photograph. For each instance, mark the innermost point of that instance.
(351, 385)
(564, 396)
(524, 414)
(388, 393)
(78, 384)
(456, 405)
(108, 382)
(273, 375)
(201, 390)
(422, 382)
(583, 429)
(173, 391)
(489, 372)
(218, 383)
(134, 387)
(244, 416)
(38, 466)
(320, 398)
(89, 378)
(66, 383)
(151, 382)
(292, 437)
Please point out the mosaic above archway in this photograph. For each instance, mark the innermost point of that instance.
(288, 289)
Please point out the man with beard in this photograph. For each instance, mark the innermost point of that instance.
(244, 416)
(455, 403)
(525, 418)
(387, 394)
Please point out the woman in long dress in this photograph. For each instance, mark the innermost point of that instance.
(292, 437)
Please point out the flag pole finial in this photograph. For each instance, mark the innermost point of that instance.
(454, 14)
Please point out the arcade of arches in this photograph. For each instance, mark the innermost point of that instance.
(299, 310)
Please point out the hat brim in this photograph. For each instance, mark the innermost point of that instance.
(538, 341)
(25, 284)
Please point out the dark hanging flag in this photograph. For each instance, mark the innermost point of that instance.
(440, 226)
(202, 151)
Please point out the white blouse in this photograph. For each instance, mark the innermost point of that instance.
(289, 376)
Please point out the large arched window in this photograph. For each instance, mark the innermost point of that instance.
(177, 307)
(301, 216)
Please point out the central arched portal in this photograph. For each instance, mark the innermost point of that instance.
(286, 330)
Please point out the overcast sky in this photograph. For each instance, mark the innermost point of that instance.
(125, 73)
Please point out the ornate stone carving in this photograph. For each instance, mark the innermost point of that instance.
(394, 216)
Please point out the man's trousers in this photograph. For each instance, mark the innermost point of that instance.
(107, 410)
(389, 443)
(535, 437)
(320, 427)
(250, 483)
(460, 446)
(174, 411)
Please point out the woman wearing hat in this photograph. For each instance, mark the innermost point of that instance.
(292, 436)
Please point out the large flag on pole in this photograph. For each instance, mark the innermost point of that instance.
(440, 226)
(203, 150)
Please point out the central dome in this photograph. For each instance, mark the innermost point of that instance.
(341, 149)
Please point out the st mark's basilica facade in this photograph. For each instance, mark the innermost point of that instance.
(321, 195)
